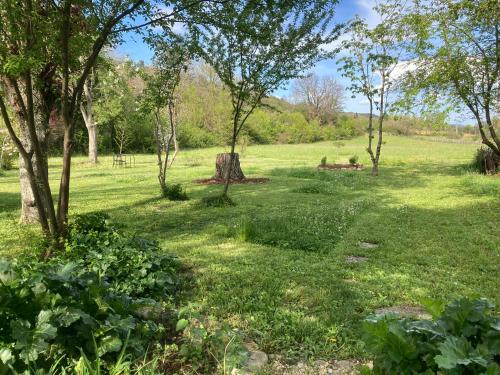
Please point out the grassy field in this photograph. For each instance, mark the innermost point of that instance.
(275, 265)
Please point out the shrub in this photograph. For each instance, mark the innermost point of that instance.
(84, 303)
(174, 192)
(462, 339)
(220, 200)
(323, 161)
(353, 159)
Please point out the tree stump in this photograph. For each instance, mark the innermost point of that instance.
(222, 165)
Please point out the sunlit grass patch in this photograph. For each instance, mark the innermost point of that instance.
(274, 266)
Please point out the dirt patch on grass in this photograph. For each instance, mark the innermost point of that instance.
(216, 181)
(349, 167)
(368, 245)
(355, 259)
(406, 311)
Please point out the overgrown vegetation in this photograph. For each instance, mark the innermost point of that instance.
(300, 228)
(463, 338)
(105, 297)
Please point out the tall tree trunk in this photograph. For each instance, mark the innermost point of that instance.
(63, 203)
(29, 209)
(176, 145)
(227, 174)
(92, 144)
(86, 111)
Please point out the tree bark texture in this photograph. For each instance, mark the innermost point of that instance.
(222, 165)
(29, 210)
(87, 114)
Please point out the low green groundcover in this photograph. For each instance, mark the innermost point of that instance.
(104, 293)
(462, 338)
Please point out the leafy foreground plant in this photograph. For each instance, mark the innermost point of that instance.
(107, 289)
(208, 346)
(462, 339)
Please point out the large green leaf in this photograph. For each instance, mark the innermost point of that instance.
(7, 273)
(181, 324)
(109, 344)
(456, 351)
(6, 355)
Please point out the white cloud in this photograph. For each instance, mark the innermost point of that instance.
(367, 13)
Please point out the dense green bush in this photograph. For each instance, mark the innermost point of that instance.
(464, 338)
(174, 192)
(353, 159)
(105, 290)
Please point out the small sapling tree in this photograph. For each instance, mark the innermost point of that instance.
(372, 56)
(257, 47)
(160, 96)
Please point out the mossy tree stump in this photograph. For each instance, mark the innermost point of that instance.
(222, 163)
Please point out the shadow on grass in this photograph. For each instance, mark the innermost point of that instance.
(309, 303)
(9, 202)
(390, 177)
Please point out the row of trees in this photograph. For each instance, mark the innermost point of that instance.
(439, 53)
(49, 51)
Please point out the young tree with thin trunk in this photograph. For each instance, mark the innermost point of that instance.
(171, 58)
(372, 55)
(257, 47)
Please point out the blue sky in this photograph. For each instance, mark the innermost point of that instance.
(346, 9)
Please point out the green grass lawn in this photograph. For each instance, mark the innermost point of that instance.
(275, 266)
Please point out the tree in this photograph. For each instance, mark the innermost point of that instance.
(256, 47)
(114, 103)
(323, 95)
(372, 57)
(86, 109)
(457, 54)
(170, 60)
(47, 51)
